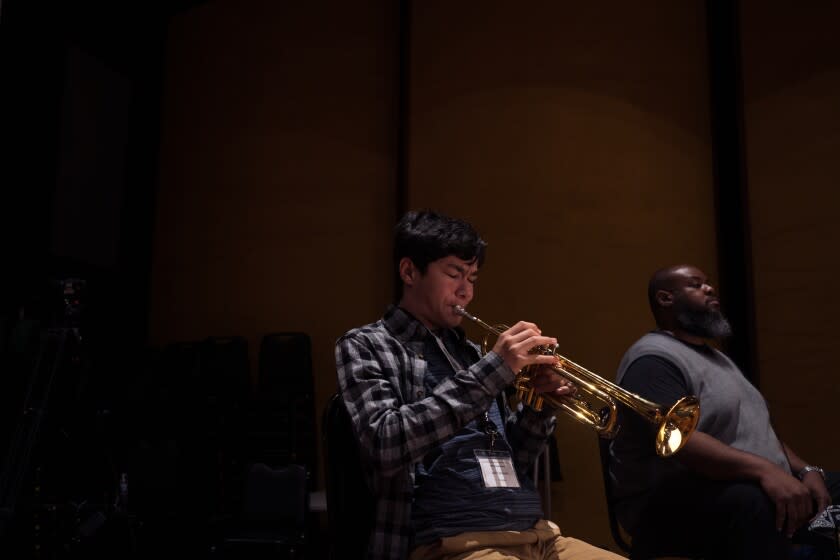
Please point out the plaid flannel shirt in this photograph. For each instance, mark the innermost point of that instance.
(380, 375)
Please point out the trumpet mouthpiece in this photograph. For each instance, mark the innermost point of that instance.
(461, 311)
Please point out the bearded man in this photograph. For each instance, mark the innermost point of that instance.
(735, 490)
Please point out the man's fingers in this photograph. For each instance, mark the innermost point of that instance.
(517, 343)
(547, 380)
(781, 513)
(822, 503)
(564, 390)
(522, 326)
(530, 342)
(524, 336)
(792, 519)
(522, 344)
(798, 512)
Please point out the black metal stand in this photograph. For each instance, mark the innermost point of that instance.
(44, 510)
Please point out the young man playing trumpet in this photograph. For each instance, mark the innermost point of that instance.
(447, 460)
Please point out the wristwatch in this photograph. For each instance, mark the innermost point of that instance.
(808, 468)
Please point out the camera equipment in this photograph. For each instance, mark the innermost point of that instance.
(37, 484)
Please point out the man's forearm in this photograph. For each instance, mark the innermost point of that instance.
(714, 459)
(796, 463)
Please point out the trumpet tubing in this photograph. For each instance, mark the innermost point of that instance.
(674, 425)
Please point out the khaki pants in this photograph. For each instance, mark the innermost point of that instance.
(542, 542)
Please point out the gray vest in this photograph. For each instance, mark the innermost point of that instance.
(731, 410)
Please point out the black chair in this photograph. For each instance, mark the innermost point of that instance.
(622, 538)
(619, 536)
(350, 504)
(281, 420)
(197, 401)
(223, 389)
(542, 475)
(272, 522)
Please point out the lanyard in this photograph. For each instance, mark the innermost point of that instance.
(485, 424)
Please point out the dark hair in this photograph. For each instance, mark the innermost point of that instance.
(425, 236)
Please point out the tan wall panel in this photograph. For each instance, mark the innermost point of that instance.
(576, 138)
(791, 61)
(276, 174)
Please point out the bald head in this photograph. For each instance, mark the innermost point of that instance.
(665, 279)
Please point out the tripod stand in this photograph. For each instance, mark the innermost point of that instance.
(59, 363)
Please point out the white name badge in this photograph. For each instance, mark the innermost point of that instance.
(497, 469)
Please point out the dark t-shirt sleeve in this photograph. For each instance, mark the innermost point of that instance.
(656, 379)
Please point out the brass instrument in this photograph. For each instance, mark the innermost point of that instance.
(674, 427)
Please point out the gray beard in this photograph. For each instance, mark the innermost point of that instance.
(705, 323)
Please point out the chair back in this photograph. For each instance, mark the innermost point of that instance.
(350, 505)
(615, 528)
(272, 522)
(276, 496)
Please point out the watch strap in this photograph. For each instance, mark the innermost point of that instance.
(808, 468)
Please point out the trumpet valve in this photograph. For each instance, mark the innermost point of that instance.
(538, 403)
(530, 397)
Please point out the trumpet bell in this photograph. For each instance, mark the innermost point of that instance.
(677, 426)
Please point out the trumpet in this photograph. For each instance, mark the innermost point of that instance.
(674, 426)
